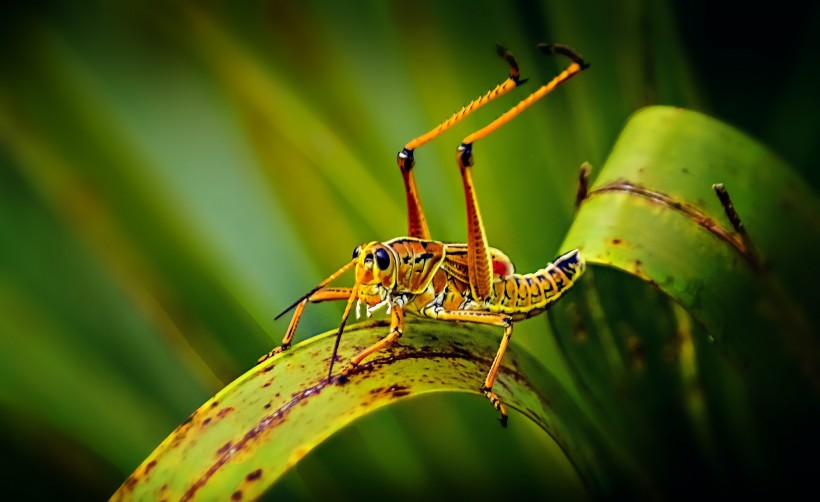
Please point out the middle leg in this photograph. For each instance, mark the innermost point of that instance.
(493, 319)
(396, 330)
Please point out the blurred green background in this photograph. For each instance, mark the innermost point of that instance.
(172, 174)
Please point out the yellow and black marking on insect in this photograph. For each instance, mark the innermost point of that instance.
(470, 282)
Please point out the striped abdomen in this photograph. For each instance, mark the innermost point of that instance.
(525, 295)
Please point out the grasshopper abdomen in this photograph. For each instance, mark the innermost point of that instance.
(525, 295)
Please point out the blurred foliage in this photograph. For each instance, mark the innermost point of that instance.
(686, 331)
(172, 173)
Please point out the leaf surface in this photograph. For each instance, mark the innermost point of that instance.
(248, 435)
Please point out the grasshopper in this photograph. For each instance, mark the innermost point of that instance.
(470, 282)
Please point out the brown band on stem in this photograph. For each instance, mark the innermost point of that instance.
(583, 184)
(741, 244)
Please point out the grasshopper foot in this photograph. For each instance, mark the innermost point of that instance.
(277, 350)
(351, 367)
(343, 377)
(496, 402)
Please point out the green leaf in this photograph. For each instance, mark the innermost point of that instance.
(685, 334)
(244, 438)
(680, 337)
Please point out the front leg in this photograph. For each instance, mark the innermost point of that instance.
(396, 330)
(323, 295)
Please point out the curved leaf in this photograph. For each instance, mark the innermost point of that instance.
(248, 435)
(675, 293)
(681, 338)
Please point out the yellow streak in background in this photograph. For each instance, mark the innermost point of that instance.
(272, 98)
(57, 180)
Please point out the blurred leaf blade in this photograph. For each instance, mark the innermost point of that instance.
(652, 215)
(681, 154)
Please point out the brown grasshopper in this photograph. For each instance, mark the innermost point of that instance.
(470, 282)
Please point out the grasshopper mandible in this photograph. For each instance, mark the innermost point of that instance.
(470, 282)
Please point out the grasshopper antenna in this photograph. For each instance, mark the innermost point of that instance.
(353, 297)
(322, 284)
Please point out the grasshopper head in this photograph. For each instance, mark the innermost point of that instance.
(375, 266)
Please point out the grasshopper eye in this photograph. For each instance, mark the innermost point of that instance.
(382, 258)
(356, 252)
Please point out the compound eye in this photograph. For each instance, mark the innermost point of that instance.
(382, 258)
(356, 252)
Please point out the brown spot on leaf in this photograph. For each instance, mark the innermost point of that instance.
(616, 241)
(187, 420)
(224, 411)
(237, 495)
(254, 475)
(398, 390)
(460, 351)
(637, 351)
(224, 448)
(130, 483)
(150, 466)
(639, 270)
(579, 330)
